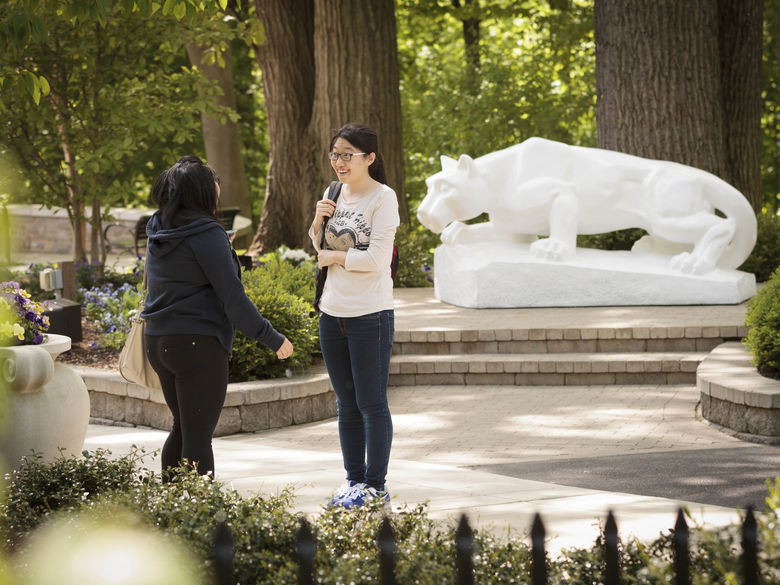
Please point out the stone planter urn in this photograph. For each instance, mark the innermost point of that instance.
(46, 404)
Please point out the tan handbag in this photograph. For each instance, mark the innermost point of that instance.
(133, 363)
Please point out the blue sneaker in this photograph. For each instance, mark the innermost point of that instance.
(361, 494)
(342, 491)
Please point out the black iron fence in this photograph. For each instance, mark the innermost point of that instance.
(464, 567)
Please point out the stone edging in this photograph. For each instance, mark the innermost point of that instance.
(736, 397)
(571, 334)
(249, 406)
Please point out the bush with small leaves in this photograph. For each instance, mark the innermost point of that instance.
(290, 314)
(763, 320)
(765, 257)
(264, 531)
(37, 489)
(292, 270)
(415, 256)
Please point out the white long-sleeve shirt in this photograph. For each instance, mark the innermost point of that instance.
(365, 230)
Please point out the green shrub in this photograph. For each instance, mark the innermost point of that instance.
(289, 314)
(37, 489)
(264, 532)
(765, 257)
(763, 320)
(293, 270)
(619, 240)
(415, 256)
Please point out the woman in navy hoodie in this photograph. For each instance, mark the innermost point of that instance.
(194, 300)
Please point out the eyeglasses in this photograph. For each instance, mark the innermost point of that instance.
(345, 156)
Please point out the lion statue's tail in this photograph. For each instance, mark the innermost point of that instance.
(735, 206)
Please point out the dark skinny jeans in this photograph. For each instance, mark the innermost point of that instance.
(357, 355)
(193, 372)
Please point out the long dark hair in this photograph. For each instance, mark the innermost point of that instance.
(189, 184)
(364, 139)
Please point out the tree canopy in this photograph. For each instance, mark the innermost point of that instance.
(98, 96)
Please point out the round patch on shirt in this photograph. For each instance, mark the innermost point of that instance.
(340, 238)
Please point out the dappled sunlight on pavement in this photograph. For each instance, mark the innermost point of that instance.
(445, 435)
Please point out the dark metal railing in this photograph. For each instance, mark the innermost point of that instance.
(464, 565)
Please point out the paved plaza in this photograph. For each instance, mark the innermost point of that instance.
(502, 453)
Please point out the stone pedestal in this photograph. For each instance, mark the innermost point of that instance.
(47, 403)
(505, 275)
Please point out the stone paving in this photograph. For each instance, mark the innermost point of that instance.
(446, 435)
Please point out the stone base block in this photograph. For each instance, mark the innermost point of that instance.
(505, 275)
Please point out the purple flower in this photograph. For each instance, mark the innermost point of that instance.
(38, 339)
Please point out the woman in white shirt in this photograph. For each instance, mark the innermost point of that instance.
(356, 308)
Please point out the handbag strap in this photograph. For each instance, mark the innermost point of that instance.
(144, 279)
(146, 263)
(333, 194)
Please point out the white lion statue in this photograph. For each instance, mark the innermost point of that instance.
(546, 188)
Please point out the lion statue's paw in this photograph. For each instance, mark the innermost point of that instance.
(454, 233)
(688, 263)
(551, 249)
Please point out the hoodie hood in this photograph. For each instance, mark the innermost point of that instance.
(187, 222)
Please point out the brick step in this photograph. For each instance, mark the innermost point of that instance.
(546, 368)
(554, 341)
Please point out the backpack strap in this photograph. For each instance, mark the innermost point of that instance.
(333, 194)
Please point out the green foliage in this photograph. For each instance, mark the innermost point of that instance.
(536, 77)
(765, 257)
(37, 489)
(123, 101)
(112, 310)
(763, 320)
(293, 270)
(274, 289)
(769, 533)
(264, 531)
(618, 240)
(770, 108)
(415, 256)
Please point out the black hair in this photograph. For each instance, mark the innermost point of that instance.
(365, 139)
(188, 184)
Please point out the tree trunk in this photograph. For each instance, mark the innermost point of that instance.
(741, 43)
(324, 64)
(96, 241)
(76, 203)
(674, 82)
(471, 36)
(287, 63)
(356, 62)
(223, 139)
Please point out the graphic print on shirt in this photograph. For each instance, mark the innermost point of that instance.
(347, 229)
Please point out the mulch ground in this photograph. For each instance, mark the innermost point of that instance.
(83, 354)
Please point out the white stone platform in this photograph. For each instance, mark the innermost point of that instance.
(505, 275)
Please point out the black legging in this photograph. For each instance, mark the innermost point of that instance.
(193, 371)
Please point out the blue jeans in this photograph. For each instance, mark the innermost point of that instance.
(357, 355)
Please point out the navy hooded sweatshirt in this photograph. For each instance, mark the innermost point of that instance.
(194, 283)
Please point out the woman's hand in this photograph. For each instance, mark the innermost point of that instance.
(328, 257)
(325, 208)
(285, 351)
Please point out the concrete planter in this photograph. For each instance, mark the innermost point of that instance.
(47, 403)
(736, 397)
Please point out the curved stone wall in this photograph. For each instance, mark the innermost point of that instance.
(735, 396)
(249, 406)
